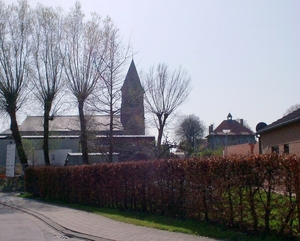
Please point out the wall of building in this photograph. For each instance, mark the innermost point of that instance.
(280, 137)
(129, 147)
(243, 149)
(294, 148)
(216, 141)
(57, 157)
(33, 149)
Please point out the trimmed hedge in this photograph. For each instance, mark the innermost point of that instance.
(258, 193)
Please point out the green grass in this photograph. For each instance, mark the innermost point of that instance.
(192, 227)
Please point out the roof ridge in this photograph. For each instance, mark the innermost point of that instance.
(287, 119)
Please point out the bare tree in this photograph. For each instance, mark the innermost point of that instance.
(165, 91)
(15, 37)
(110, 62)
(82, 43)
(190, 130)
(291, 109)
(48, 61)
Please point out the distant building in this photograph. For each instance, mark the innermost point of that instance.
(130, 141)
(230, 132)
(281, 136)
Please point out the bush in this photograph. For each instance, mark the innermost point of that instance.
(9, 184)
(209, 153)
(258, 193)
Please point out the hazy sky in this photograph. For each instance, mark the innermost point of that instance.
(243, 56)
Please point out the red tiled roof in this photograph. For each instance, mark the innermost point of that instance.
(235, 128)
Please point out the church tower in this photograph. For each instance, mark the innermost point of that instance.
(132, 107)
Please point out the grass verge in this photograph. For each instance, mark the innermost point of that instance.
(192, 227)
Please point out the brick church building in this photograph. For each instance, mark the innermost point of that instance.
(130, 141)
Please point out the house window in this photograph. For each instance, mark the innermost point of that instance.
(286, 149)
(275, 149)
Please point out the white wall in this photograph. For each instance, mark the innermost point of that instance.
(57, 157)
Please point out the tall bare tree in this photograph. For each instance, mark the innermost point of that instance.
(15, 38)
(110, 62)
(165, 90)
(48, 60)
(81, 45)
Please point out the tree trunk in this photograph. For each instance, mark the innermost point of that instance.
(17, 138)
(252, 208)
(159, 138)
(268, 210)
(111, 138)
(162, 118)
(83, 134)
(47, 108)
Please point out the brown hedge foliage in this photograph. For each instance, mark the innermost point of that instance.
(251, 192)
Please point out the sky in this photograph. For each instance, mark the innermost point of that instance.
(243, 56)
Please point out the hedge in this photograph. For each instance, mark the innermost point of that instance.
(258, 193)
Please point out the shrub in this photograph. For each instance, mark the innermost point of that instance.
(259, 193)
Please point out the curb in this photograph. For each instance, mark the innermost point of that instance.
(67, 232)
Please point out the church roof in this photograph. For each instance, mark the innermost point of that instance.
(96, 123)
(132, 79)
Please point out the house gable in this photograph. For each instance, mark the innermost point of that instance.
(286, 120)
(282, 136)
(229, 132)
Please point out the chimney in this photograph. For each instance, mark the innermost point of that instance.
(210, 129)
(242, 122)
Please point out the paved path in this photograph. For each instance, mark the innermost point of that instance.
(88, 226)
(16, 225)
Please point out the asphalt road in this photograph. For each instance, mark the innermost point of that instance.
(19, 226)
(27, 219)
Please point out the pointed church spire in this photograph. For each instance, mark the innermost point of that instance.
(132, 79)
(132, 108)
